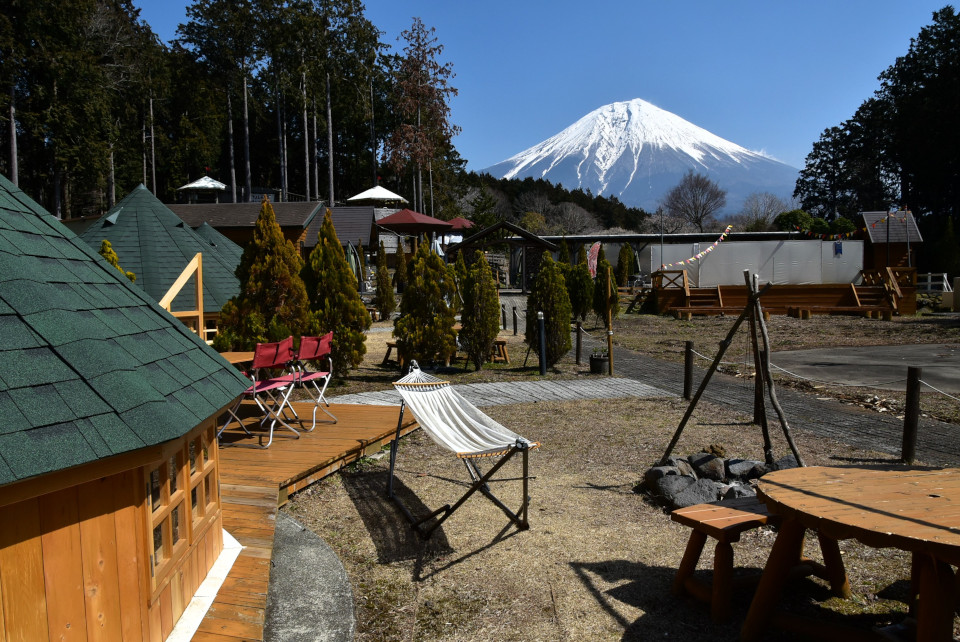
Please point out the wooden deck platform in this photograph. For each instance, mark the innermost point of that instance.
(254, 482)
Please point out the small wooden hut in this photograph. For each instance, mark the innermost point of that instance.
(110, 510)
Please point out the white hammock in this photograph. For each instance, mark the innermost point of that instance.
(452, 421)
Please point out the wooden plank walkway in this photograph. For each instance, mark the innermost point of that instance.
(255, 482)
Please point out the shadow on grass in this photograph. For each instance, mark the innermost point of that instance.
(665, 616)
(393, 537)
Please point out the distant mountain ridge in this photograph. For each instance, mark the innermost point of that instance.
(637, 152)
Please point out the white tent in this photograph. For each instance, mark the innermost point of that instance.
(204, 183)
(377, 194)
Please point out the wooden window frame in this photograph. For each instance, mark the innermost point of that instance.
(191, 526)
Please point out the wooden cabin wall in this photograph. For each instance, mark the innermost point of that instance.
(74, 564)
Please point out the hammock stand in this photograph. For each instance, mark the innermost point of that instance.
(484, 430)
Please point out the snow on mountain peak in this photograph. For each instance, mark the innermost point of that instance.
(632, 149)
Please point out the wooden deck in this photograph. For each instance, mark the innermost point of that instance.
(255, 482)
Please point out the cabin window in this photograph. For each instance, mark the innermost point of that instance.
(183, 498)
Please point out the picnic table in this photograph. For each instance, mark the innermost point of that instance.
(238, 358)
(913, 509)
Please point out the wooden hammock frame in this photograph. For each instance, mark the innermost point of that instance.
(480, 482)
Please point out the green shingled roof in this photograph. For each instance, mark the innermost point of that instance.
(153, 243)
(90, 366)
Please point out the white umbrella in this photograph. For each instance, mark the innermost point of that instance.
(377, 194)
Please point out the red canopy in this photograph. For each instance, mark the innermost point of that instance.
(460, 223)
(410, 222)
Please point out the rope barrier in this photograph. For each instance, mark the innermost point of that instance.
(938, 390)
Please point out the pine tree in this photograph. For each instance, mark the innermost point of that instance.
(424, 330)
(624, 264)
(460, 274)
(107, 252)
(549, 296)
(335, 299)
(481, 311)
(385, 301)
(272, 303)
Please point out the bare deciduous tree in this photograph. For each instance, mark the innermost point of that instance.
(570, 218)
(695, 200)
(759, 210)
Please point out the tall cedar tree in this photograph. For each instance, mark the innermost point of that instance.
(600, 291)
(335, 299)
(582, 254)
(385, 301)
(108, 253)
(624, 264)
(481, 311)
(424, 330)
(272, 303)
(549, 296)
(422, 94)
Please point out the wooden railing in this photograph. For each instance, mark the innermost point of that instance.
(663, 279)
(193, 319)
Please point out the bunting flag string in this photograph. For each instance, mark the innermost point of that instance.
(829, 237)
(702, 254)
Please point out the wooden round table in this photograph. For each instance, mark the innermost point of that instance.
(913, 509)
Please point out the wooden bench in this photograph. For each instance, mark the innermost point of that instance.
(500, 351)
(724, 522)
(373, 312)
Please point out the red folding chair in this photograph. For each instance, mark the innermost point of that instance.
(316, 351)
(271, 394)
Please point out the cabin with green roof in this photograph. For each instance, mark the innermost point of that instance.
(110, 513)
(153, 243)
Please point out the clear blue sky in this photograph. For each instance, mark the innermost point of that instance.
(769, 75)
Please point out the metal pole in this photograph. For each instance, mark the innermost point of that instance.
(688, 370)
(543, 344)
(911, 415)
(503, 314)
(515, 315)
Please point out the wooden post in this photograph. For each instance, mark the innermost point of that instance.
(688, 370)
(503, 314)
(579, 340)
(515, 315)
(911, 416)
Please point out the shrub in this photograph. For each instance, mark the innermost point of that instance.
(384, 300)
(549, 295)
(272, 303)
(335, 299)
(424, 329)
(481, 311)
(108, 253)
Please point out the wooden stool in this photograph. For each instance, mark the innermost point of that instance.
(724, 522)
(500, 351)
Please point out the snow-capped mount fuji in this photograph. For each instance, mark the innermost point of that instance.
(637, 152)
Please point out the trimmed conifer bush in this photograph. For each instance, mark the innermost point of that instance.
(582, 254)
(272, 303)
(563, 257)
(384, 300)
(335, 299)
(108, 253)
(481, 311)
(549, 295)
(424, 331)
(600, 292)
(579, 290)
(400, 271)
(624, 264)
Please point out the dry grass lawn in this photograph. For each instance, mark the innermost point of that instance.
(598, 559)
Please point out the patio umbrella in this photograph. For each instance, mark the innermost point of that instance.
(410, 222)
(378, 194)
(460, 224)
